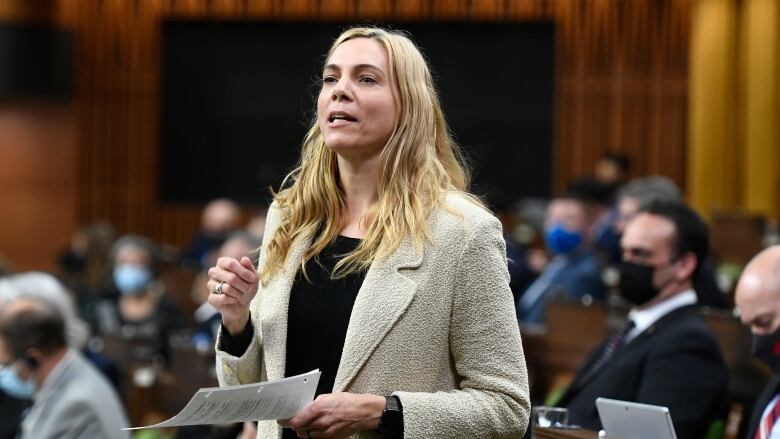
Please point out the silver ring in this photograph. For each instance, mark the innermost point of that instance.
(218, 290)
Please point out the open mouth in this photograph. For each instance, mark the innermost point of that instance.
(341, 116)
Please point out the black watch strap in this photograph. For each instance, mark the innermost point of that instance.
(391, 425)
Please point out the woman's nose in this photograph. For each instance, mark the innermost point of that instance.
(340, 91)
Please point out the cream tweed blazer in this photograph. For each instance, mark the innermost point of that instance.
(437, 328)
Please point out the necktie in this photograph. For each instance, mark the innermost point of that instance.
(768, 421)
(613, 344)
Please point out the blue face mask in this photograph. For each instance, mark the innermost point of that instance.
(131, 278)
(561, 241)
(14, 386)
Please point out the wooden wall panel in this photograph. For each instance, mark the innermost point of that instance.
(621, 85)
(37, 183)
(39, 12)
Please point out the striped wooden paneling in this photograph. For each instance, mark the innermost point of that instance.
(38, 187)
(621, 85)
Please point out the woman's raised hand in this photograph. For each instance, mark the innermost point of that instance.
(232, 285)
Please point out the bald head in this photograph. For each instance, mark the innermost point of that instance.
(758, 292)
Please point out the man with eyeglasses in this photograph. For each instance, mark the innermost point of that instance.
(665, 355)
(71, 399)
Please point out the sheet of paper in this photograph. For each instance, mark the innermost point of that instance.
(249, 402)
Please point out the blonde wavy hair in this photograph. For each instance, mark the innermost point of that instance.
(419, 164)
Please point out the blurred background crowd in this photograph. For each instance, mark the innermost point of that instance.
(114, 210)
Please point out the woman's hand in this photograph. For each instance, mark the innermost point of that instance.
(337, 415)
(239, 282)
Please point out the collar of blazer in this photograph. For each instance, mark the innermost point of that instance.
(384, 296)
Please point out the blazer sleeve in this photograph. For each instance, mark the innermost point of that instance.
(78, 420)
(233, 370)
(492, 400)
(247, 368)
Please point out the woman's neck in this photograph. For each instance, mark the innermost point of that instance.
(359, 181)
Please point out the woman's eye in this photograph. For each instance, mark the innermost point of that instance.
(329, 80)
(368, 79)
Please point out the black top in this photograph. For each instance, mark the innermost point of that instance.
(317, 318)
(319, 314)
(147, 337)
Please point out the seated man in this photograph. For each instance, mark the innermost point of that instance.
(220, 218)
(645, 190)
(71, 398)
(758, 300)
(573, 271)
(666, 355)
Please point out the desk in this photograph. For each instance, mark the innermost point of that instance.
(559, 433)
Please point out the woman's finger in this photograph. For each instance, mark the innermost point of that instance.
(246, 262)
(219, 275)
(302, 420)
(226, 290)
(248, 275)
(220, 301)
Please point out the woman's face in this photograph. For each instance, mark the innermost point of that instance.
(357, 108)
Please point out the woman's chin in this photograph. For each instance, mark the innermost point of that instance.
(347, 148)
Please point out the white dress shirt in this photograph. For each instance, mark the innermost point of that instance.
(644, 318)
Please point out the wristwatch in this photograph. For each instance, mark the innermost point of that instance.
(391, 424)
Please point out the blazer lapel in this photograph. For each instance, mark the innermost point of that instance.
(384, 296)
(638, 341)
(274, 306)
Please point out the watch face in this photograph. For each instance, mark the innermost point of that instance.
(391, 403)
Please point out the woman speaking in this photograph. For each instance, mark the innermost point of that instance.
(379, 269)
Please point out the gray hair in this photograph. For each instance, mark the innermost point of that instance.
(151, 250)
(652, 188)
(47, 288)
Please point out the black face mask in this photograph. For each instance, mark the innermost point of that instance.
(767, 349)
(636, 282)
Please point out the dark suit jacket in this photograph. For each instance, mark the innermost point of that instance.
(573, 276)
(758, 408)
(11, 410)
(675, 363)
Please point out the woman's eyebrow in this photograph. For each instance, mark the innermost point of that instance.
(336, 67)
